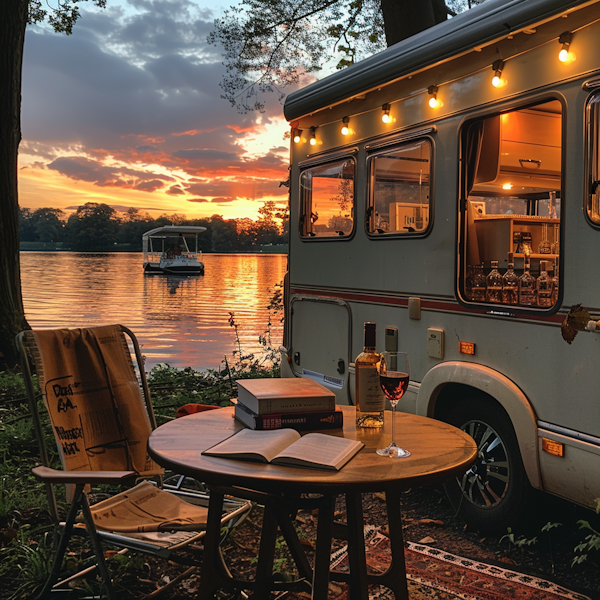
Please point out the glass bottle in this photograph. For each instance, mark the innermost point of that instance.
(370, 400)
(510, 283)
(544, 286)
(555, 284)
(527, 285)
(479, 284)
(493, 283)
(555, 246)
(545, 247)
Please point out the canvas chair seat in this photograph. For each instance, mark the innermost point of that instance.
(101, 415)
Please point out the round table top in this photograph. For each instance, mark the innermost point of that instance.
(439, 452)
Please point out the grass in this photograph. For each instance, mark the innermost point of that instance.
(26, 530)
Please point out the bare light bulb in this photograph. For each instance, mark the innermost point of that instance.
(563, 55)
(434, 102)
(313, 141)
(385, 117)
(345, 129)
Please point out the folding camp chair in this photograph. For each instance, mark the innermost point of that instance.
(101, 416)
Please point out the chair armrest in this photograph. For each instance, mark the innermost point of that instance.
(49, 475)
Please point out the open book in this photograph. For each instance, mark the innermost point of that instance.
(287, 447)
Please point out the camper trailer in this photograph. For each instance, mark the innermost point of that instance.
(447, 189)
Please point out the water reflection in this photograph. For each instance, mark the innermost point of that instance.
(180, 320)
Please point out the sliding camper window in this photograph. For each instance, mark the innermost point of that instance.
(593, 201)
(327, 200)
(511, 207)
(400, 190)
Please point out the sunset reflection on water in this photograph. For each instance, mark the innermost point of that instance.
(182, 321)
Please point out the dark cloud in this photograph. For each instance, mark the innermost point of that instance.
(199, 200)
(175, 190)
(83, 169)
(222, 200)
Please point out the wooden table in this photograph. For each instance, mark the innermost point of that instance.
(439, 452)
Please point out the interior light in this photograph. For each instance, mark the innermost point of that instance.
(385, 117)
(434, 101)
(345, 129)
(507, 186)
(565, 55)
(313, 139)
(297, 135)
(497, 80)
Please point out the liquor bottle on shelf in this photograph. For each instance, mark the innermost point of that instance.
(479, 284)
(493, 284)
(545, 247)
(510, 283)
(555, 284)
(370, 400)
(555, 246)
(544, 286)
(527, 285)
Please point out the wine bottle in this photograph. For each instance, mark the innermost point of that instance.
(370, 400)
(544, 286)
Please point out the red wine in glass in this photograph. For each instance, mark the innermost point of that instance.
(394, 376)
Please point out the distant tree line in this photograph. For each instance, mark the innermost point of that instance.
(96, 227)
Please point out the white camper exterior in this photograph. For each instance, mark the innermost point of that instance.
(392, 222)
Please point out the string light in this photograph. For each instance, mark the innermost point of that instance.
(297, 135)
(385, 117)
(565, 55)
(497, 79)
(345, 129)
(313, 140)
(432, 90)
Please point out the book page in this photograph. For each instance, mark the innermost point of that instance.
(252, 444)
(319, 450)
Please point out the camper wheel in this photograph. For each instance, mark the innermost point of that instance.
(490, 495)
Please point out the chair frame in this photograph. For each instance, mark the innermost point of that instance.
(80, 479)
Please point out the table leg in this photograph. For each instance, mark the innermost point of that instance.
(209, 577)
(395, 577)
(323, 549)
(266, 555)
(357, 558)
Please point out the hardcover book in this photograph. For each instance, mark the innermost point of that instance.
(286, 395)
(301, 421)
(288, 448)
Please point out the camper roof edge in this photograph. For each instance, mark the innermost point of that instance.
(477, 26)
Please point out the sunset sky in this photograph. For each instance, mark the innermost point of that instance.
(127, 111)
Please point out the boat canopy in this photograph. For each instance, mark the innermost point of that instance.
(472, 29)
(169, 230)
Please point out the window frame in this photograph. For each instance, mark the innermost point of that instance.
(376, 150)
(329, 159)
(592, 155)
(461, 242)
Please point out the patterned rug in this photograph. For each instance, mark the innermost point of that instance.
(437, 575)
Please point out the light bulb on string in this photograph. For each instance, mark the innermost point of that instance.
(434, 101)
(313, 139)
(297, 136)
(565, 55)
(385, 117)
(345, 129)
(497, 79)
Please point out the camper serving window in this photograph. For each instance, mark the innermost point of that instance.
(327, 200)
(511, 213)
(399, 191)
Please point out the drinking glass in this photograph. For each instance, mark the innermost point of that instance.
(393, 378)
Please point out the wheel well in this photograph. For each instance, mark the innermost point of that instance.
(452, 393)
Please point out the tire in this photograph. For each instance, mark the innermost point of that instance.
(492, 494)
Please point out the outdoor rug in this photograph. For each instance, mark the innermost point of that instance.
(437, 575)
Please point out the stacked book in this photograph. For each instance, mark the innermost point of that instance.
(296, 403)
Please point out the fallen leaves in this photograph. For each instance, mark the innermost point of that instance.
(575, 321)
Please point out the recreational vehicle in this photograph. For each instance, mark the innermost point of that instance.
(447, 190)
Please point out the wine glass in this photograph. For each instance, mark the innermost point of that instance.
(393, 378)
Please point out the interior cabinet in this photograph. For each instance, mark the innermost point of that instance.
(495, 237)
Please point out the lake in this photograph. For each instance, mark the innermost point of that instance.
(181, 321)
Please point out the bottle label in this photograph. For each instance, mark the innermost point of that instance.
(369, 393)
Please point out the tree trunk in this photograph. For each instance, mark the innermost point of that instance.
(404, 18)
(13, 20)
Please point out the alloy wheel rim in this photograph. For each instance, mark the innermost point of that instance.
(486, 482)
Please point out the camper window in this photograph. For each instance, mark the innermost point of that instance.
(400, 190)
(593, 115)
(327, 200)
(512, 181)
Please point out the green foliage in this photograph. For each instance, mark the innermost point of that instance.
(591, 542)
(517, 542)
(62, 16)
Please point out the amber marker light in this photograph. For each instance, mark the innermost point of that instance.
(507, 186)
(345, 129)
(313, 139)
(434, 101)
(297, 136)
(553, 447)
(565, 55)
(466, 348)
(497, 80)
(385, 117)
